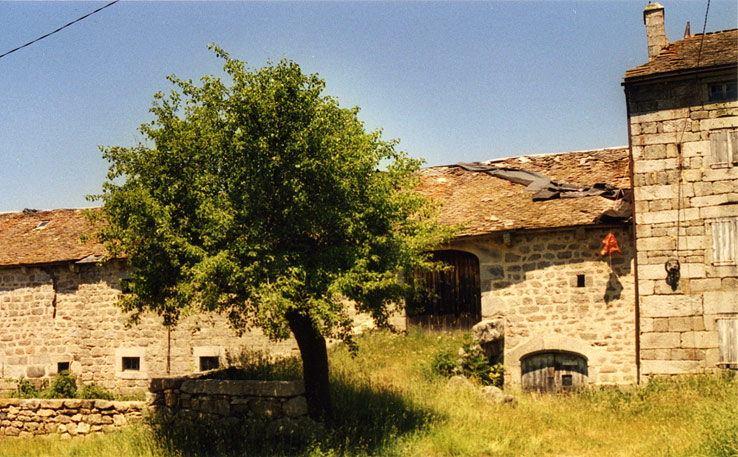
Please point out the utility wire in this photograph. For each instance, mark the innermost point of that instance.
(679, 142)
(59, 29)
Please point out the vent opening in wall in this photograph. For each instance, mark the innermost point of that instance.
(131, 363)
(209, 363)
(580, 280)
(62, 366)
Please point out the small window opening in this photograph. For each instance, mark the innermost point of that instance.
(131, 363)
(567, 380)
(580, 280)
(209, 363)
(723, 91)
(62, 366)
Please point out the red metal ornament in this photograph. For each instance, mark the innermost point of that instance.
(610, 245)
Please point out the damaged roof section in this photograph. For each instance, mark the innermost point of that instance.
(41, 237)
(716, 50)
(484, 203)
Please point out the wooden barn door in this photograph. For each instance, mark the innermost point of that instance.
(450, 298)
(554, 372)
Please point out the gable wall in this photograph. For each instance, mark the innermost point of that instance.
(678, 327)
(531, 283)
(80, 324)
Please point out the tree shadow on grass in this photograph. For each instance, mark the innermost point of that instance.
(367, 419)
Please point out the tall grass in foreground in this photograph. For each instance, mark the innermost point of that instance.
(390, 403)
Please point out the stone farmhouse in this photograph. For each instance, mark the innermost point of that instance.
(533, 266)
(683, 124)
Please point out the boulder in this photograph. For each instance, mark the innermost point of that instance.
(495, 395)
(489, 331)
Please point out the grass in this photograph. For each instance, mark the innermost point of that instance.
(389, 403)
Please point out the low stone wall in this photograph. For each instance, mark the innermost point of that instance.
(281, 402)
(68, 417)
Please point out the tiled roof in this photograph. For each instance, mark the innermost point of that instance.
(487, 204)
(25, 240)
(484, 203)
(719, 48)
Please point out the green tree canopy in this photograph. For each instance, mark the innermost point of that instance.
(264, 200)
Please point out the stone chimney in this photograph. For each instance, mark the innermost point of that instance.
(653, 17)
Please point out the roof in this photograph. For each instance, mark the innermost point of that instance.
(486, 204)
(25, 240)
(718, 49)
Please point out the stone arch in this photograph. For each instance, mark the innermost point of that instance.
(552, 343)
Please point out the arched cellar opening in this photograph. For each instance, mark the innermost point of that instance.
(554, 371)
(449, 298)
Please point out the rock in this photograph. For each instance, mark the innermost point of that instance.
(295, 407)
(488, 331)
(35, 371)
(460, 382)
(495, 395)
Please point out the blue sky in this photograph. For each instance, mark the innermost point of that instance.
(454, 81)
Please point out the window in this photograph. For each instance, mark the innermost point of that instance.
(728, 336)
(131, 363)
(209, 363)
(724, 148)
(720, 92)
(725, 241)
(62, 366)
(580, 280)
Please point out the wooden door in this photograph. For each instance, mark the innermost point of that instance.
(554, 372)
(449, 298)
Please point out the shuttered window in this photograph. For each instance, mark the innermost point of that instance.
(724, 148)
(725, 241)
(728, 335)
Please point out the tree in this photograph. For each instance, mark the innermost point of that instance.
(263, 200)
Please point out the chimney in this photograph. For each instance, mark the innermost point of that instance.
(653, 17)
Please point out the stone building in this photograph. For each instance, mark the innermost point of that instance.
(527, 262)
(683, 123)
(57, 312)
(560, 309)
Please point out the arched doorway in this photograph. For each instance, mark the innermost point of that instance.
(450, 298)
(554, 371)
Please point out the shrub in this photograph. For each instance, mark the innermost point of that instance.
(25, 390)
(94, 391)
(470, 362)
(64, 385)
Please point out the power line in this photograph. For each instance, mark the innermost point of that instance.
(59, 29)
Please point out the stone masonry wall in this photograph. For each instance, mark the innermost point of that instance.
(278, 403)
(671, 123)
(65, 417)
(62, 314)
(532, 282)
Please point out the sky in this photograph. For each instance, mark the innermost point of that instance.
(454, 81)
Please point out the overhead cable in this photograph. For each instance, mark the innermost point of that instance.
(59, 29)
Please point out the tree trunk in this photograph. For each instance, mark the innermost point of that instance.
(314, 366)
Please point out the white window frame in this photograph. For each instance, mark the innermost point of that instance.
(724, 241)
(724, 148)
(728, 342)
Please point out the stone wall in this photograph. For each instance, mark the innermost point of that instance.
(556, 292)
(65, 417)
(671, 124)
(66, 314)
(281, 403)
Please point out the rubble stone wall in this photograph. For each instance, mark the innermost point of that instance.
(26, 418)
(67, 314)
(276, 402)
(556, 292)
(679, 192)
